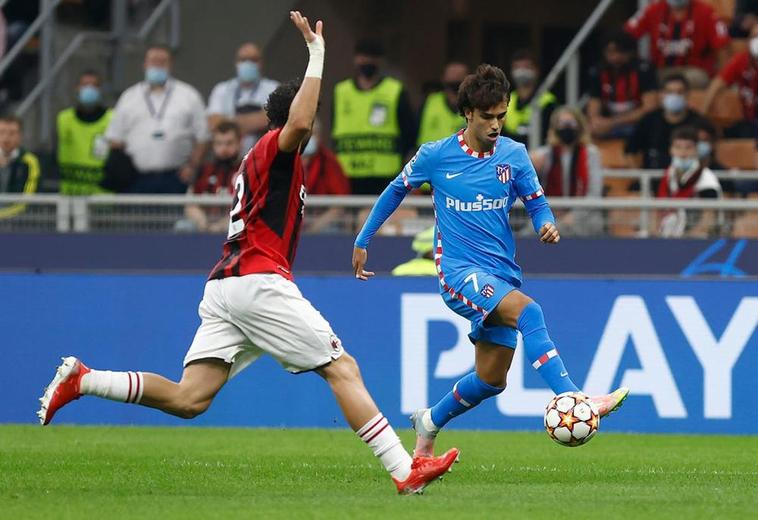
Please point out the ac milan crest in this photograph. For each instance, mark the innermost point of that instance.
(503, 172)
(487, 291)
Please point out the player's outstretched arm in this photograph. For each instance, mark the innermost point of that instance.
(385, 205)
(305, 103)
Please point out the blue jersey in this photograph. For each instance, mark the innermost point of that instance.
(473, 193)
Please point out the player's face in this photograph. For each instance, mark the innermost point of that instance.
(226, 146)
(485, 125)
(10, 137)
(158, 58)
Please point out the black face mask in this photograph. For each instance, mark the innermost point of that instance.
(452, 86)
(368, 70)
(226, 163)
(567, 135)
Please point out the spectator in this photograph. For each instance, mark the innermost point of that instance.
(569, 166)
(323, 176)
(323, 172)
(622, 89)
(216, 176)
(706, 148)
(647, 146)
(19, 169)
(686, 178)
(686, 36)
(373, 125)
(439, 116)
(742, 71)
(242, 98)
(423, 264)
(82, 147)
(161, 125)
(525, 75)
(745, 17)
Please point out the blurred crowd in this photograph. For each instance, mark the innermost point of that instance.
(689, 110)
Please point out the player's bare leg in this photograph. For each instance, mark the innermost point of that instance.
(492, 365)
(188, 398)
(519, 311)
(363, 416)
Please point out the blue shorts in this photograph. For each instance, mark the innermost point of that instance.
(474, 294)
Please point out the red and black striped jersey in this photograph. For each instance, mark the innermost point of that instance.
(267, 212)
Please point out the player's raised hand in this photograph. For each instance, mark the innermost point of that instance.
(549, 234)
(301, 22)
(360, 256)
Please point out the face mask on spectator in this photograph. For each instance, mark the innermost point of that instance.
(523, 77)
(567, 135)
(754, 47)
(704, 149)
(685, 164)
(248, 71)
(156, 75)
(674, 103)
(311, 147)
(678, 3)
(89, 95)
(368, 70)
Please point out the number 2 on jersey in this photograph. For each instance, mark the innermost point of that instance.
(236, 224)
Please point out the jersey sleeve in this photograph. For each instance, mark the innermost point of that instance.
(734, 67)
(718, 32)
(639, 24)
(529, 190)
(419, 169)
(525, 177)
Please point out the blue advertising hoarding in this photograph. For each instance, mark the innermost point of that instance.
(688, 349)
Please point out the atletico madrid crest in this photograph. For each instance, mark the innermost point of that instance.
(487, 291)
(503, 172)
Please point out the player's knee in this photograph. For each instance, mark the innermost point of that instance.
(345, 369)
(496, 381)
(191, 409)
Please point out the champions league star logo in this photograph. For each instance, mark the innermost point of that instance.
(503, 172)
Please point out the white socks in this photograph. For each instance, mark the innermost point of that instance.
(386, 445)
(126, 387)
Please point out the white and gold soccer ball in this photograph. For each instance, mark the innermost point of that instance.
(571, 419)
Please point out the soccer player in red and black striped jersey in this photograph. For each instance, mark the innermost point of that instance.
(252, 307)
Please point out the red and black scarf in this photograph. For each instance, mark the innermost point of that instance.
(579, 175)
(683, 191)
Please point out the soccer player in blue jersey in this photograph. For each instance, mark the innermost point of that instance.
(475, 176)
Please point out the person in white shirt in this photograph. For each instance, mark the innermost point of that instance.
(160, 123)
(242, 98)
(687, 178)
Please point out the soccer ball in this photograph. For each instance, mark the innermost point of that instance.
(571, 419)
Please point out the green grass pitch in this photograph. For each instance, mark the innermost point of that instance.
(119, 472)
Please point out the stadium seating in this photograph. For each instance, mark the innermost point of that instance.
(724, 8)
(726, 109)
(736, 153)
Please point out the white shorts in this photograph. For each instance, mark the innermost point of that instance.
(244, 317)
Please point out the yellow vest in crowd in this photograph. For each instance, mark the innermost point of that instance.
(416, 267)
(82, 150)
(366, 130)
(437, 120)
(517, 121)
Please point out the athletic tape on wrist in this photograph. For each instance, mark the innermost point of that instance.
(316, 62)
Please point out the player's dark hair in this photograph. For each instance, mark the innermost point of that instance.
(623, 41)
(676, 77)
(226, 126)
(685, 133)
(368, 47)
(13, 119)
(277, 106)
(523, 55)
(483, 89)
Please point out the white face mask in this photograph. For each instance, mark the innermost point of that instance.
(685, 164)
(753, 45)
